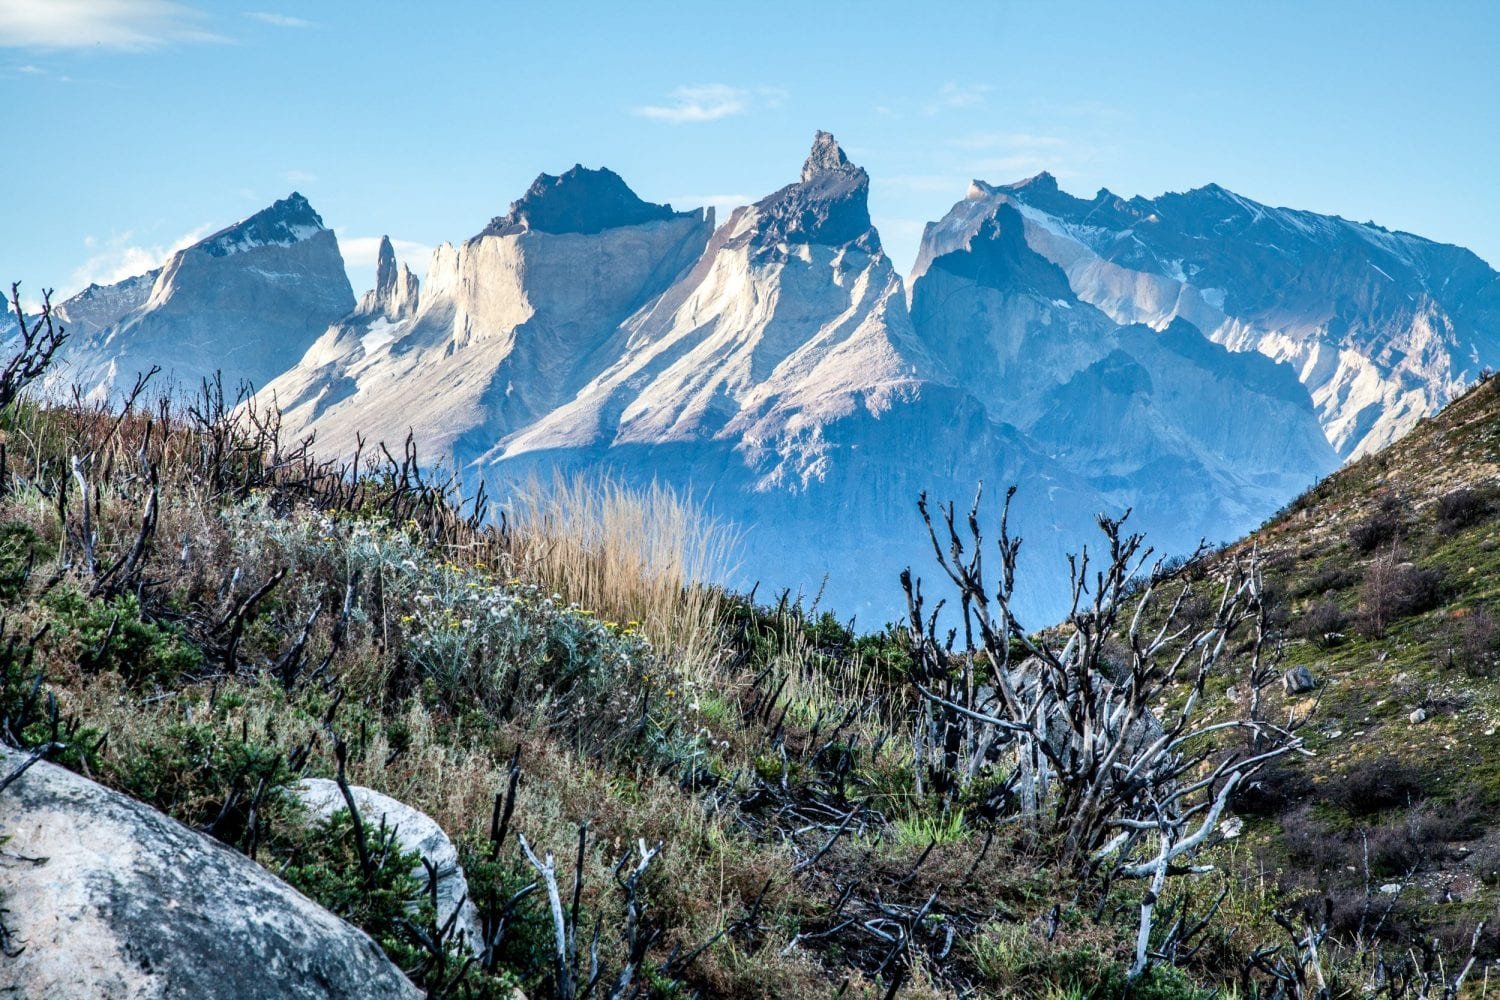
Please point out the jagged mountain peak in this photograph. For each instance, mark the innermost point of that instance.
(385, 266)
(1041, 183)
(580, 200)
(282, 223)
(828, 206)
(826, 155)
(395, 295)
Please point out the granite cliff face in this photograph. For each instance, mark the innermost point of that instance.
(506, 327)
(247, 301)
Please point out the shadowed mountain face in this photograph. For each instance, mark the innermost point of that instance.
(1382, 327)
(580, 201)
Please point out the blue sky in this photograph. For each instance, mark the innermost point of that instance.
(134, 125)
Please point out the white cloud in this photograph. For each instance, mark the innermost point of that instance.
(300, 177)
(957, 96)
(120, 256)
(707, 102)
(31, 70)
(128, 25)
(278, 20)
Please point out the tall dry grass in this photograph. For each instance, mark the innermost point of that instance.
(645, 556)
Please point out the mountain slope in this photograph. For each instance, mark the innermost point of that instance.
(1385, 580)
(1382, 327)
(247, 302)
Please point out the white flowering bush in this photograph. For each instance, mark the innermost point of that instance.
(466, 636)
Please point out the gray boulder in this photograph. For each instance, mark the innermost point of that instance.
(415, 831)
(1298, 680)
(108, 897)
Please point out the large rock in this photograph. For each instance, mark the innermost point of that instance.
(415, 831)
(111, 898)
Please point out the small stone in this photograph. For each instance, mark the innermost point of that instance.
(1335, 734)
(1417, 717)
(1232, 827)
(1391, 888)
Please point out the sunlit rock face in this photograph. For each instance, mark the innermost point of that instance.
(244, 303)
(1382, 327)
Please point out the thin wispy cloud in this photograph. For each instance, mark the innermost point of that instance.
(123, 25)
(300, 177)
(278, 20)
(1007, 140)
(958, 96)
(122, 255)
(708, 102)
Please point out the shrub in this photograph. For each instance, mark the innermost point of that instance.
(1272, 791)
(1476, 643)
(1395, 590)
(1461, 508)
(1375, 785)
(1380, 528)
(20, 548)
(1331, 576)
(112, 635)
(1324, 624)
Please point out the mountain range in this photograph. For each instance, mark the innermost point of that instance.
(1198, 357)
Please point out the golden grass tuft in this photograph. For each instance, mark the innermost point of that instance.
(646, 556)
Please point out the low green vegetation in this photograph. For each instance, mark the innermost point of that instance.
(207, 615)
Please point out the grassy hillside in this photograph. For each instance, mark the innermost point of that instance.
(1388, 577)
(199, 613)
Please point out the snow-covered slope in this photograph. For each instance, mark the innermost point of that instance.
(1382, 327)
(247, 301)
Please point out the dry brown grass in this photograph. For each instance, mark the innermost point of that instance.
(628, 555)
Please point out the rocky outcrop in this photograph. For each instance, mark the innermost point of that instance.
(395, 295)
(107, 897)
(414, 831)
(246, 302)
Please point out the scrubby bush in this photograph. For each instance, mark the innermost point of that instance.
(1394, 590)
(1461, 508)
(1324, 624)
(1375, 785)
(1475, 643)
(1384, 526)
(1272, 791)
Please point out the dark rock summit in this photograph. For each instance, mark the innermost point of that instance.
(580, 201)
(829, 206)
(285, 222)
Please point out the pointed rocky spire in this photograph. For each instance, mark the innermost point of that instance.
(385, 269)
(826, 155)
(396, 288)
